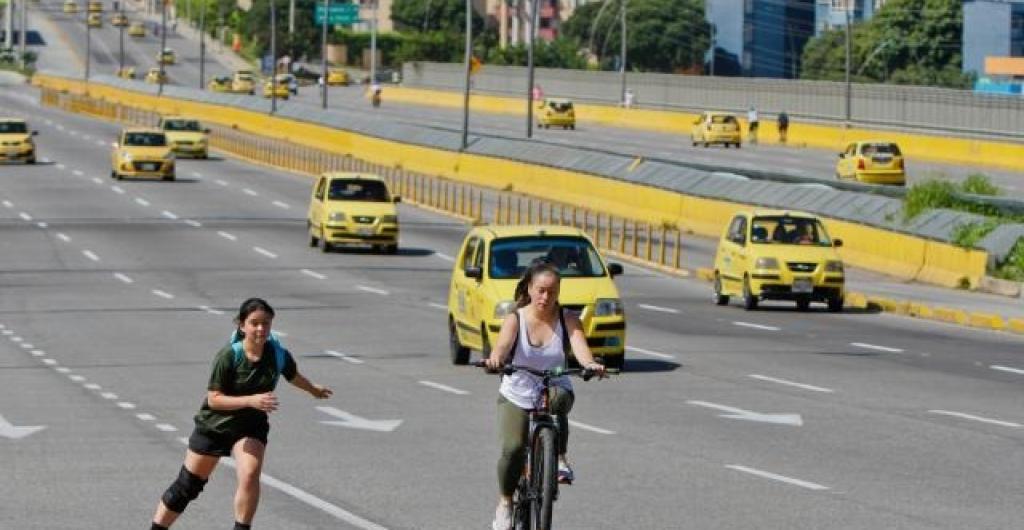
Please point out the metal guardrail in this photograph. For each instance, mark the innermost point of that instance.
(903, 107)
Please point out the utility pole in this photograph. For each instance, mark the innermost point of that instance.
(622, 92)
(23, 34)
(88, 40)
(291, 17)
(8, 25)
(202, 44)
(273, 57)
(469, 55)
(532, 28)
(849, 38)
(163, 45)
(323, 55)
(373, 45)
(120, 42)
(714, 31)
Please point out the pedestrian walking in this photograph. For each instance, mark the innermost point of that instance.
(233, 420)
(752, 122)
(783, 123)
(627, 99)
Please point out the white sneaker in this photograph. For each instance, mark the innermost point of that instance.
(502, 517)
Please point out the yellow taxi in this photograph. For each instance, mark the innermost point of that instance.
(338, 77)
(872, 162)
(136, 29)
(493, 258)
(778, 255)
(70, 6)
(142, 152)
(128, 72)
(186, 136)
(353, 208)
(275, 88)
(243, 82)
(95, 6)
(155, 76)
(166, 57)
(219, 84)
(119, 19)
(16, 140)
(95, 20)
(556, 111)
(716, 128)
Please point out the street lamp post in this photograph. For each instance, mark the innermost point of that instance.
(23, 33)
(323, 55)
(849, 38)
(529, 59)
(469, 54)
(202, 45)
(120, 42)
(373, 45)
(622, 67)
(273, 57)
(88, 40)
(163, 45)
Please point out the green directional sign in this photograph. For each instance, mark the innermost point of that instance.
(338, 14)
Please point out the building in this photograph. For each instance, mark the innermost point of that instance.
(831, 14)
(766, 37)
(512, 17)
(992, 28)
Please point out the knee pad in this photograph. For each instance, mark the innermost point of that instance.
(183, 490)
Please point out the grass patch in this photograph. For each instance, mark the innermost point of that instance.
(968, 235)
(1013, 267)
(979, 184)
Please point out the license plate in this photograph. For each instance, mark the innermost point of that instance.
(364, 231)
(11, 152)
(149, 167)
(803, 286)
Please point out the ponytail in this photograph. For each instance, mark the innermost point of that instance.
(538, 267)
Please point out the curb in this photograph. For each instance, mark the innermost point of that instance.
(910, 308)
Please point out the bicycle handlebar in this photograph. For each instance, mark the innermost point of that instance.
(508, 369)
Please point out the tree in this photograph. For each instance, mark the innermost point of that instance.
(432, 15)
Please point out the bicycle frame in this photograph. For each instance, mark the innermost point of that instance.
(528, 493)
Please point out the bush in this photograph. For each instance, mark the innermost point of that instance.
(1013, 267)
(979, 184)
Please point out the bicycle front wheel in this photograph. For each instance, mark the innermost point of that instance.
(543, 478)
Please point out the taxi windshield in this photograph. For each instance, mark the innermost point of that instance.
(575, 257)
(145, 139)
(560, 106)
(357, 190)
(723, 119)
(181, 125)
(12, 127)
(783, 230)
(880, 149)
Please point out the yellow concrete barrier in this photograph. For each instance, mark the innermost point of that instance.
(856, 300)
(1006, 155)
(706, 274)
(1016, 325)
(952, 316)
(986, 321)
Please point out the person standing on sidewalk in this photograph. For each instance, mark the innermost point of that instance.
(783, 123)
(752, 122)
(233, 420)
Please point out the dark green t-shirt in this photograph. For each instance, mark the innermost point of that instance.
(245, 379)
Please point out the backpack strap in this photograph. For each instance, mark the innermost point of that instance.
(279, 353)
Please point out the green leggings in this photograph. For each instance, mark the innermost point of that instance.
(513, 430)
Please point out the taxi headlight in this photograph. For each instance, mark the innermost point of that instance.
(336, 216)
(766, 263)
(389, 218)
(606, 307)
(126, 156)
(504, 308)
(833, 266)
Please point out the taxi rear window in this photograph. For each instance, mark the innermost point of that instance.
(181, 125)
(560, 106)
(723, 119)
(145, 139)
(575, 257)
(10, 127)
(357, 190)
(880, 149)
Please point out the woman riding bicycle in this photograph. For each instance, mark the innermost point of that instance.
(534, 336)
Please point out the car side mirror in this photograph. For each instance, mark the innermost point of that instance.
(474, 272)
(837, 243)
(614, 269)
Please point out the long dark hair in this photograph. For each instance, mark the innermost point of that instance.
(249, 307)
(535, 269)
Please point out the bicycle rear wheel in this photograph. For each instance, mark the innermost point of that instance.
(543, 478)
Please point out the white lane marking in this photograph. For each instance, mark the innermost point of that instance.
(249, 192)
(73, 132)
(197, 175)
(265, 252)
(41, 224)
(1007, 369)
(124, 278)
(314, 274)
(145, 416)
(100, 143)
(8, 204)
(193, 223)
(780, 478)
(438, 306)
(91, 255)
(590, 428)
(27, 346)
(97, 180)
(162, 294)
(651, 353)
(92, 386)
(63, 370)
(169, 215)
(109, 395)
(63, 237)
(49, 362)
(211, 310)
(125, 405)
(977, 418)
(25, 216)
(228, 236)
(791, 383)
(38, 353)
(755, 326)
(60, 127)
(344, 357)
(166, 428)
(445, 388)
(373, 290)
(118, 189)
(280, 204)
(445, 257)
(141, 201)
(222, 183)
(77, 173)
(659, 309)
(876, 347)
(60, 167)
(86, 136)
(16, 339)
(76, 378)
(7, 332)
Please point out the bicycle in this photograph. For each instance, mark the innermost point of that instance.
(534, 497)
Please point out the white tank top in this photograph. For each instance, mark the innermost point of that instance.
(523, 388)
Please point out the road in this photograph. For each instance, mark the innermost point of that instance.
(117, 294)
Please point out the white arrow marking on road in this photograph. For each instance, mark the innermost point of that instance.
(977, 418)
(651, 353)
(1007, 369)
(780, 478)
(659, 309)
(12, 432)
(740, 414)
(346, 419)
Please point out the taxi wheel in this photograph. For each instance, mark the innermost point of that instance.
(803, 304)
(749, 300)
(325, 247)
(737, 145)
(707, 145)
(835, 304)
(726, 144)
(459, 353)
(391, 249)
(313, 241)
(720, 299)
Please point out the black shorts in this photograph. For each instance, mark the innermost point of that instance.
(211, 444)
